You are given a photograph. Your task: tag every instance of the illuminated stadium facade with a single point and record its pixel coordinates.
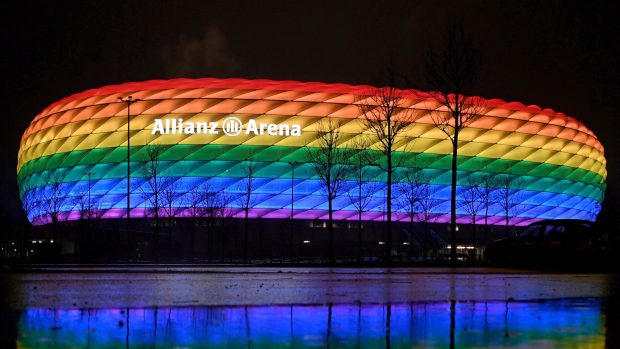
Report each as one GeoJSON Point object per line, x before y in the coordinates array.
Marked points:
{"type": "Point", "coordinates": [82, 140]}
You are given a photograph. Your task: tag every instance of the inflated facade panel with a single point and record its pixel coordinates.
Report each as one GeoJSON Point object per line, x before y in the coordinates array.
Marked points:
{"type": "Point", "coordinates": [558, 163]}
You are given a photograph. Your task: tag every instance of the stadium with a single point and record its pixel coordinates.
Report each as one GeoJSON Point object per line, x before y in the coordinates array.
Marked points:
{"type": "Point", "coordinates": [77, 148]}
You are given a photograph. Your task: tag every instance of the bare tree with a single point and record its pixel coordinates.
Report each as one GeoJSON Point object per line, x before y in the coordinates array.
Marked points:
{"type": "Point", "coordinates": [449, 73]}
{"type": "Point", "coordinates": [386, 115]}
{"type": "Point", "coordinates": [29, 199]}
{"type": "Point", "coordinates": [223, 201]}
{"type": "Point", "coordinates": [85, 210]}
{"type": "Point", "coordinates": [426, 204]}
{"type": "Point", "coordinates": [209, 209]}
{"type": "Point", "coordinates": [487, 187]}
{"type": "Point", "coordinates": [360, 193]}
{"type": "Point", "coordinates": [472, 197]}
{"type": "Point", "coordinates": [30, 204]}
{"type": "Point", "coordinates": [330, 165]}
{"type": "Point", "coordinates": [169, 189]}
{"type": "Point", "coordinates": [194, 201]}
{"type": "Point", "coordinates": [223, 211]}
{"type": "Point", "coordinates": [247, 200]}
{"type": "Point", "coordinates": [54, 196]}
{"type": "Point", "coordinates": [210, 203]}
{"type": "Point", "coordinates": [508, 196]}
{"type": "Point", "coordinates": [85, 207]}
{"type": "Point", "coordinates": [411, 190]}
{"type": "Point", "coordinates": [96, 214]}
{"type": "Point", "coordinates": [153, 187]}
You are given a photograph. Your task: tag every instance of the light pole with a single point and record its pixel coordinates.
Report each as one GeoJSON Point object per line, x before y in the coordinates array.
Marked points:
{"type": "Point", "coordinates": [292, 163]}
{"type": "Point", "coordinates": [128, 100]}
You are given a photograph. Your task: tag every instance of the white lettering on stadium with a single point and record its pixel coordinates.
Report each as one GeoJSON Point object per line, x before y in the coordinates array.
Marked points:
{"type": "Point", "coordinates": [231, 126]}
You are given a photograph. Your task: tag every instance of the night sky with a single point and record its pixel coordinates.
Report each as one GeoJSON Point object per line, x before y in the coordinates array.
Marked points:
{"type": "Point", "coordinates": [558, 55]}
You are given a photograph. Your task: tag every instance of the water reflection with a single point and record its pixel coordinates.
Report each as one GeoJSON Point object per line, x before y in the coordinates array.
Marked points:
{"type": "Point", "coordinates": [572, 323]}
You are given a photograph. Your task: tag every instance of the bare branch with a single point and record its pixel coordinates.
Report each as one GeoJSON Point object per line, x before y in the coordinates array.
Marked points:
{"type": "Point", "coordinates": [247, 186]}
{"type": "Point", "coordinates": [54, 195]}
{"type": "Point", "coordinates": [412, 189]}
{"type": "Point", "coordinates": [508, 195]}
{"type": "Point", "coordinates": [361, 189]}
{"type": "Point", "coordinates": [169, 189]}
{"type": "Point", "coordinates": [427, 203]}
{"type": "Point", "coordinates": [329, 162]}
{"type": "Point", "coordinates": [473, 196]}
{"type": "Point", "coordinates": [387, 114]}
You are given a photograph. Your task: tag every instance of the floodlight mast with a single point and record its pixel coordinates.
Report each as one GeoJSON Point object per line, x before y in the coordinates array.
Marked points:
{"type": "Point", "coordinates": [128, 100]}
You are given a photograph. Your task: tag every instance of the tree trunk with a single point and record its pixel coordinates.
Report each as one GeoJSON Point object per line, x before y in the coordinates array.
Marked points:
{"type": "Point", "coordinates": [359, 237]}
{"type": "Point", "coordinates": [486, 224]}
{"type": "Point", "coordinates": [192, 249]}
{"type": "Point", "coordinates": [291, 241]}
{"type": "Point", "coordinates": [474, 238]}
{"type": "Point", "coordinates": [359, 220]}
{"type": "Point", "coordinates": [425, 241]}
{"type": "Point", "coordinates": [228, 251]}
{"type": "Point", "coordinates": [56, 237]}
{"type": "Point", "coordinates": [245, 237]}
{"type": "Point", "coordinates": [170, 225]}
{"type": "Point", "coordinates": [78, 242]}
{"type": "Point", "coordinates": [332, 259]}
{"type": "Point", "coordinates": [455, 145]}
{"type": "Point", "coordinates": [210, 240]}
{"type": "Point", "coordinates": [156, 243]}
{"type": "Point", "coordinates": [411, 237]}
{"type": "Point", "coordinates": [388, 244]}
{"type": "Point", "coordinates": [474, 230]}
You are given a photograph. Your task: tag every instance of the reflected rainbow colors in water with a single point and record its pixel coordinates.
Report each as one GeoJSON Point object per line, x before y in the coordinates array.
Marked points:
{"type": "Point", "coordinates": [572, 323]}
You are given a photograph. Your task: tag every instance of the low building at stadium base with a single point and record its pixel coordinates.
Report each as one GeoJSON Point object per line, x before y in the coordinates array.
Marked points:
{"type": "Point", "coordinates": [81, 143]}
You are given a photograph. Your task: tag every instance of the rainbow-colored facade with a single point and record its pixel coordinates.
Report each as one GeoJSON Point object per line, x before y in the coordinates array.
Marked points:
{"type": "Point", "coordinates": [83, 140]}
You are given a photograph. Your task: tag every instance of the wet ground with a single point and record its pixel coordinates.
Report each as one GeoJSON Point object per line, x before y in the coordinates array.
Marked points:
{"type": "Point", "coordinates": [177, 306]}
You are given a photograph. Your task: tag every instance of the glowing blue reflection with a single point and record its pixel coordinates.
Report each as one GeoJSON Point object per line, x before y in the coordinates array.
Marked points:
{"type": "Point", "coordinates": [552, 324]}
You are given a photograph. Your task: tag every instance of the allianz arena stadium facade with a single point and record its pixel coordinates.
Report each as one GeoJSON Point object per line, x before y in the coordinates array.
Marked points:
{"type": "Point", "coordinates": [82, 139]}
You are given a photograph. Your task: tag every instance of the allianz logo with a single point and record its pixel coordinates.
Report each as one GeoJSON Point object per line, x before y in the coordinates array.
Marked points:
{"type": "Point", "coordinates": [231, 126]}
